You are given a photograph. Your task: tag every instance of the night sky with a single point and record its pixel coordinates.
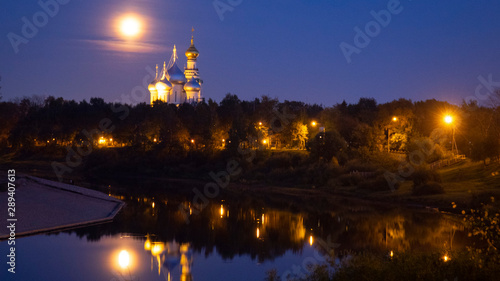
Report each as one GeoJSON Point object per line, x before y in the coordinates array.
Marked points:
{"type": "Point", "coordinates": [288, 49]}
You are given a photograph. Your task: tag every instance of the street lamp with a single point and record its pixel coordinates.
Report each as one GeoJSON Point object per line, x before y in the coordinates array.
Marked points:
{"type": "Point", "coordinates": [394, 119]}
{"type": "Point", "coordinates": [448, 119]}
{"type": "Point", "coordinates": [265, 143]}
{"type": "Point", "coordinates": [321, 130]}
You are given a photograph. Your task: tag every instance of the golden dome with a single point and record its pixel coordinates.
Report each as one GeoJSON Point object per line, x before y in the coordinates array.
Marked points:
{"type": "Point", "coordinates": [152, 86]}
{"type": "Point", "coordinates": [192, 52]}
{"type": "Point", "coordinates": [163, 85]}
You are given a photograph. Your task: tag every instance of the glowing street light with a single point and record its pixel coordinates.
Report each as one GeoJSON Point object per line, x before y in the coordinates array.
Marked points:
{"type": "Point", "coordinates": [394, 119]}
{"type": "Point", "coordinates": [321, 131]}
{"type": "Point", "coordinates": [260, 123]}
{"type": "Point", "coordinates": [448, 119]}
{"type": "Point", "coordinates": [446, 258]}
{"type": "Point", "coordinates": [192, 141]}
{"type": "Point", "coordinates": [311, 240]}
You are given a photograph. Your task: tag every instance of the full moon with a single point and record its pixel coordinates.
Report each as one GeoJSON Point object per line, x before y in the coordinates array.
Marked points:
{"type": "Point", "coordinates": [130, 26]}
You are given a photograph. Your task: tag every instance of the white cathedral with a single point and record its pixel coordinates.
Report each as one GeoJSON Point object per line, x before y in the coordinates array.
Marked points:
{"type": "Point", "coordinates": [174, 86]}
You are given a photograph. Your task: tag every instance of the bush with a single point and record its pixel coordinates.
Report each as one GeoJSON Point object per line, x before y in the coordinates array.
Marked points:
{"type": "Point", "coordinates": [428, 148]}
{"type": "Point", "coordinates": [428, 189]}
{"type": "Point", "coordinates": [360, 165]}
{"type": "Point", "coordinates": [379, 183]}
{"type": "Point", "coordinates": [279, 161]}
{"type": "Point", "coordinates": [321, 174]}
{"type": "Point", "coordinates": [423, 176]}
{"type": "Point", "coordinates": [350, 179]}
{"type": "Point", "coordinates": [484, 226]}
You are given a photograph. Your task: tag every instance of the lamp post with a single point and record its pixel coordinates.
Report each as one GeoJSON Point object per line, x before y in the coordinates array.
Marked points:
{"type": "Point", "coordinates": [394, 119]}
{"type": "Point", "coordinates": [448, 119]}
{"type": "Point", "coordinates": [321, 133]}
{"type": "Point", "coordinates": [321, 129]}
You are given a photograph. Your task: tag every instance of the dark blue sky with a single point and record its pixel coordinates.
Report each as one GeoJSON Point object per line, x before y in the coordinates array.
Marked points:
{"type": "Point", "coordinates": [287, 49]}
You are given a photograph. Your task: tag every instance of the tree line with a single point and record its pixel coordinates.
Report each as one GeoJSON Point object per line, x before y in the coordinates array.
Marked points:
{"type": "Point", "coordinates": [341, 131]}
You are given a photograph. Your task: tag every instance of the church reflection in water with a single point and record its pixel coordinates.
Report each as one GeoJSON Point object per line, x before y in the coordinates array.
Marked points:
{"type": "Point", "coordinates": [230, 229]}
{"type": "Point", "coordinates": [166, 257]}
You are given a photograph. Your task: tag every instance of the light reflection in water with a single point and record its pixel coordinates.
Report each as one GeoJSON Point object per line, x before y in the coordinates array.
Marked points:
{"type": "Point", "coordinates": [124, 263]}
{"type": "Point", "coordinates": [167, 256]}
{"type": "Point", "coordinates": [124, 259]}
{"type": "Point", "coordinates": [357, 228]}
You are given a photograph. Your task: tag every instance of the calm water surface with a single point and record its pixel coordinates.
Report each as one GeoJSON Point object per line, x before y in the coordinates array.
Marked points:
{"type": "Point", "coordinates": [170, 238]}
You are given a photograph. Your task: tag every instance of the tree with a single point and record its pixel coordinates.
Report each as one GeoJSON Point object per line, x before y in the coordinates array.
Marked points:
{"type": "Point", "coordinates": [327, 145]}
{"type": "Point", "coordinates": [482, 131]}
{"type": "Point", "coordinates": [300, 133]}
{"type": "Point", "coordinates": [9, 116]}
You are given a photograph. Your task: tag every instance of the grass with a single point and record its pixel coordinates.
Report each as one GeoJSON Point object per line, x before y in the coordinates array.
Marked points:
{"type": "Point", "coordinates": [464, 183]}
{"type": "Point", "coordinates": [407, 266]}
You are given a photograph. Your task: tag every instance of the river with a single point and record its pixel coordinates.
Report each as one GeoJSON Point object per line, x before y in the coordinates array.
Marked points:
{"type": "Point", "coordinates": [168, 237]}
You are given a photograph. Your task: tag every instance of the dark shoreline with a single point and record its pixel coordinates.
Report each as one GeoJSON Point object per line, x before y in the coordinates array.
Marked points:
{"type": "Point", "coordinates": [306, 196]}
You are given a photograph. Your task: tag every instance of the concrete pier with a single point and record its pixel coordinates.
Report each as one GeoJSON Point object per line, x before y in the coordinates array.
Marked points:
{"type": "Point", "coordinates": [45, 206]}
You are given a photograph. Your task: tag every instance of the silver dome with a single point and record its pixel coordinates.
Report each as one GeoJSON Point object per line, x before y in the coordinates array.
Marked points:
{"type": "Point", "coordinates": [176, 75]}
{"type": "Point", "coordinates": [192, 85]}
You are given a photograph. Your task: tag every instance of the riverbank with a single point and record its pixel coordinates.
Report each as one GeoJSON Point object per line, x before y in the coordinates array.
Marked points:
{"type": "Point", "coordinates": [466, 184]}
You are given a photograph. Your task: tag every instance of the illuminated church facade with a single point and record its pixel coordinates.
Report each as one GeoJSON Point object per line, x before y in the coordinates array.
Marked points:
{"type": "Point", "coordinates": [174, 86]}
